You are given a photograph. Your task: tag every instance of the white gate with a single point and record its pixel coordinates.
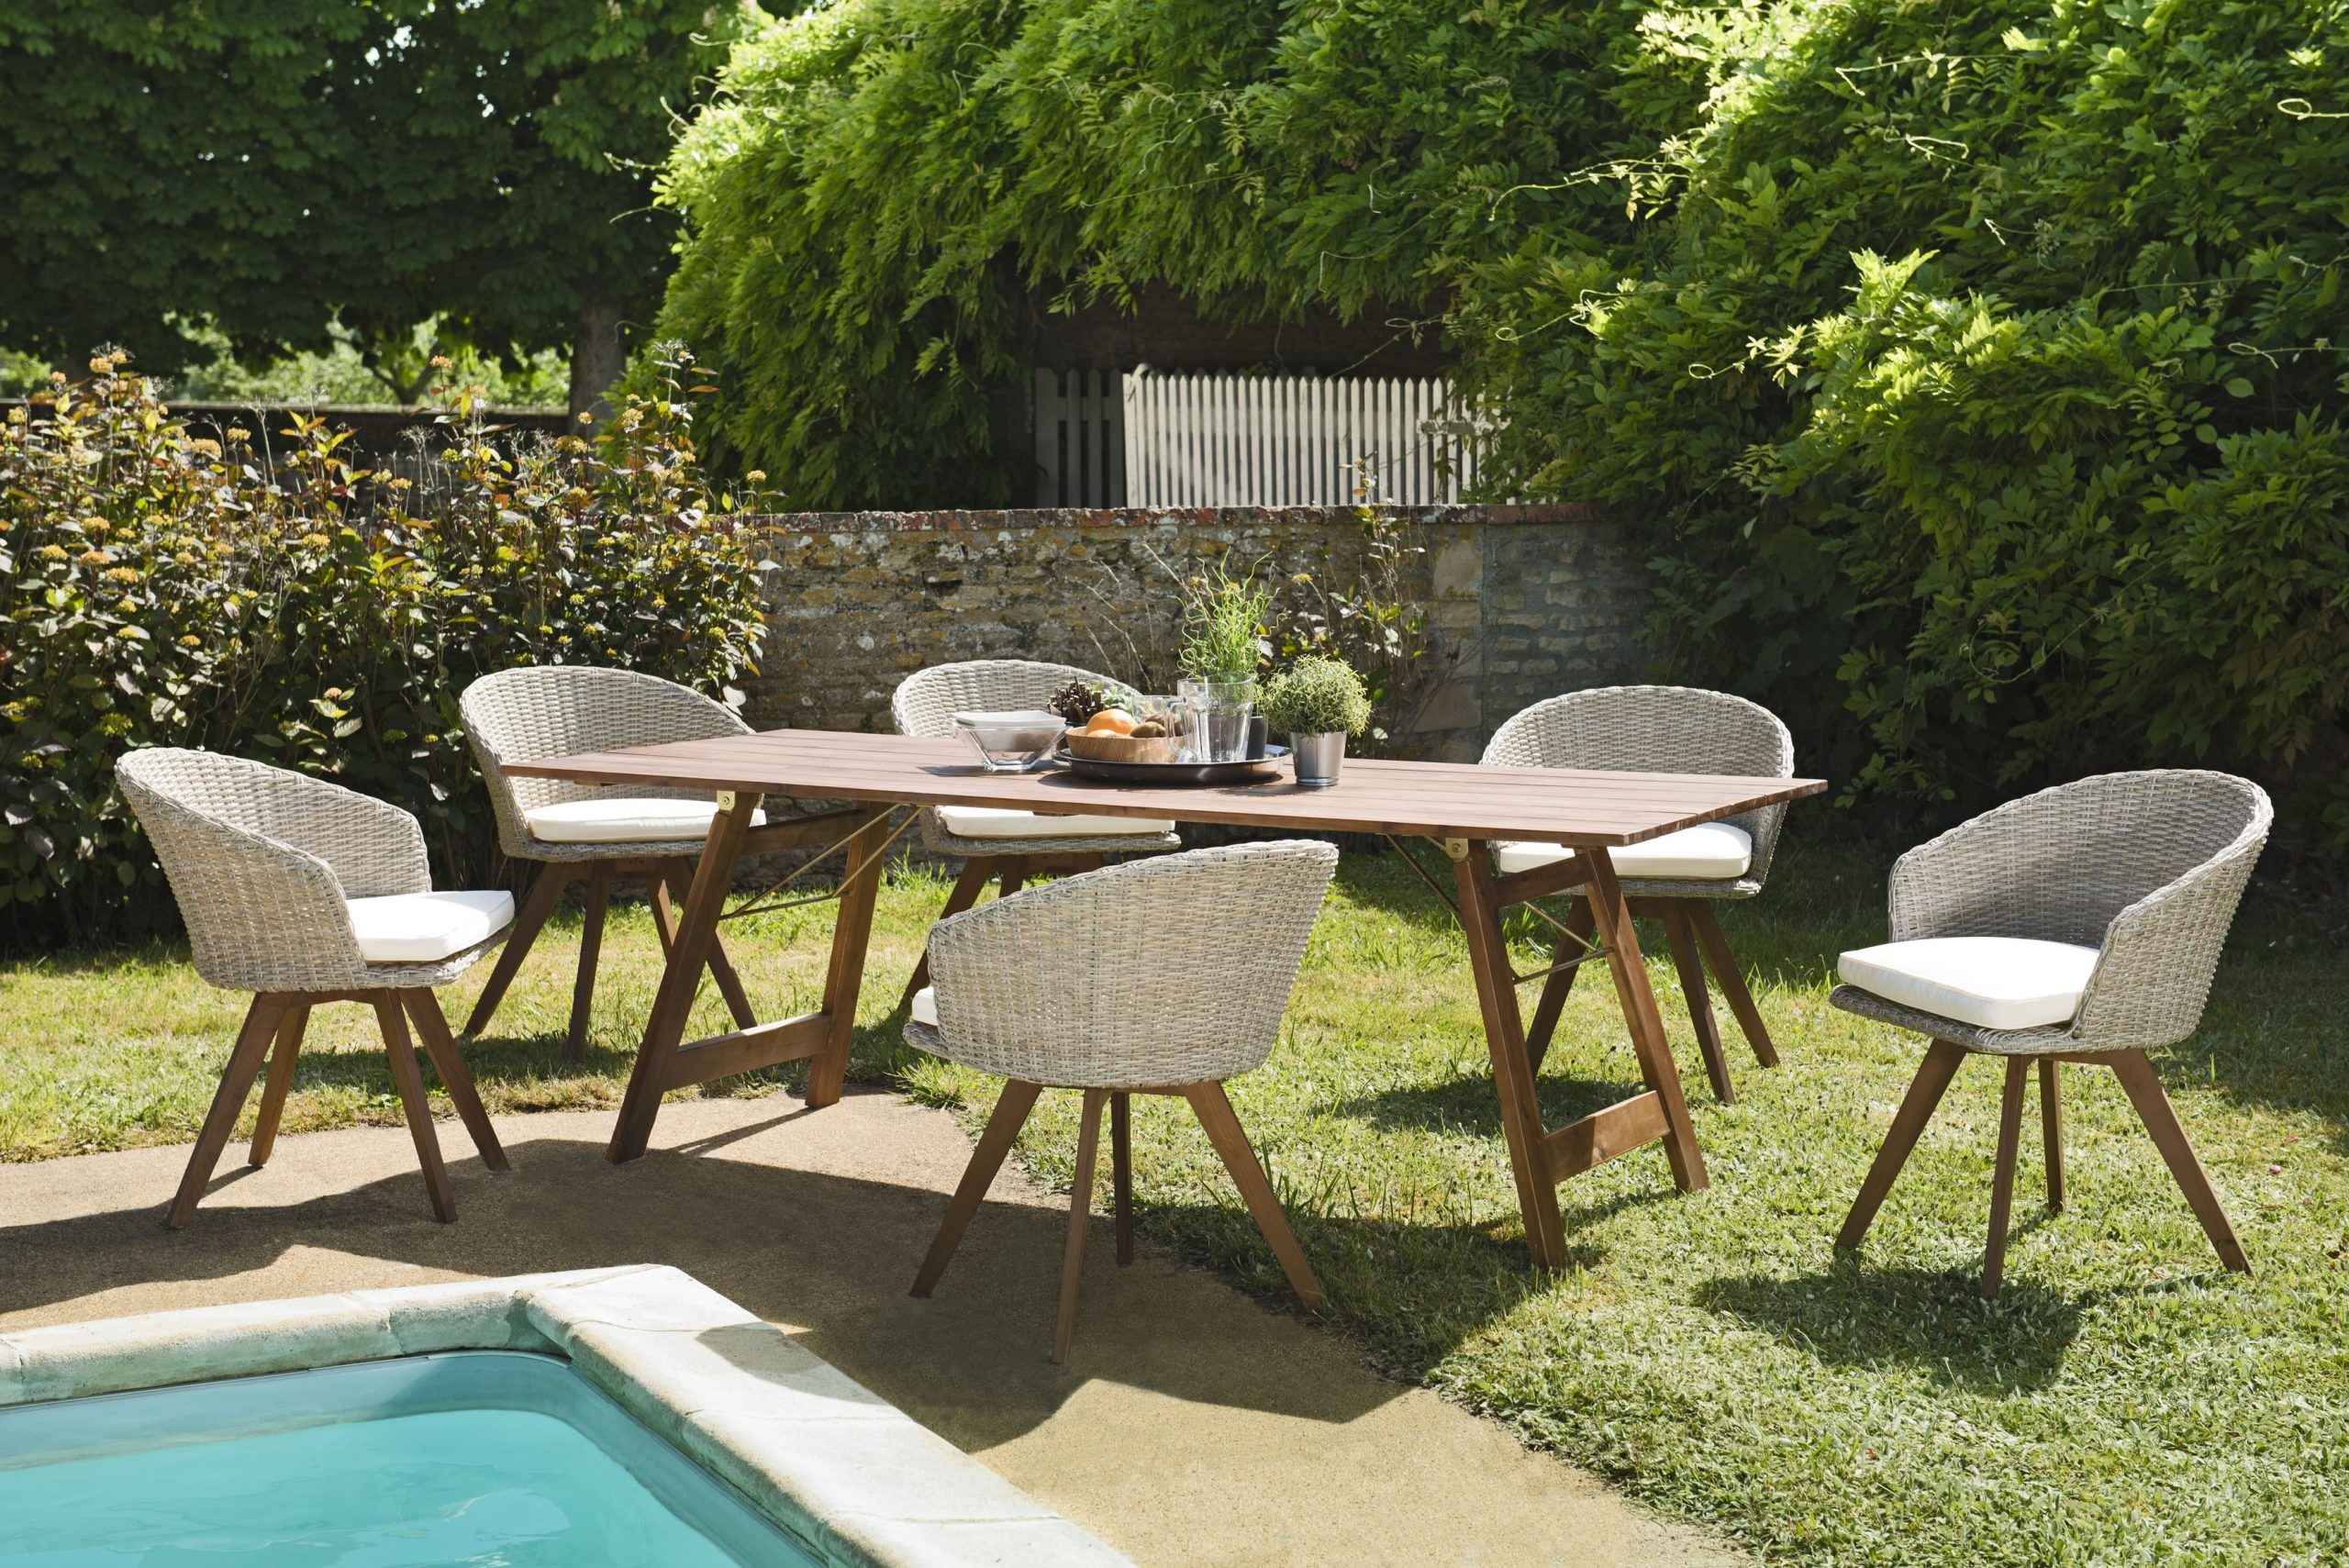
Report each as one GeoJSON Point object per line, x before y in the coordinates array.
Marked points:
{"type": "Point", "coordinates": [1226, 439]}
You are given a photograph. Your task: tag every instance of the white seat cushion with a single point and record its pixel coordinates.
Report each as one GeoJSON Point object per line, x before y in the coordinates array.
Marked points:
{"type": "Point", "coordinates": [1993, 983]}
{"type": "Point", "coordinates": [1003, 822]}
{"type": "Point", "coordinates": [925, 1007]}
{"type": "Point", "coordinates": [625, 820]}
{"type": "Point", "coordinates": [1713, 850]}
{"type": "Point", "coordinates": [424, 927]}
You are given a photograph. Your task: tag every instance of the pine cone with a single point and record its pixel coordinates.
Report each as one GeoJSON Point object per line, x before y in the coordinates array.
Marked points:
{"type": "Point", "coordinates": [1076, 702]}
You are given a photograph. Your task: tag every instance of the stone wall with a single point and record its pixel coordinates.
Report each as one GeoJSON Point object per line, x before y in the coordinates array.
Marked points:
{"type": "Point", "coordinates": [1528, 601]}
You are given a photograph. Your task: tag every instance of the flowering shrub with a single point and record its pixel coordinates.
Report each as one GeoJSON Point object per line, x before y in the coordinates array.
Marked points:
{"type": "Point", "coordinates": [162, 586]}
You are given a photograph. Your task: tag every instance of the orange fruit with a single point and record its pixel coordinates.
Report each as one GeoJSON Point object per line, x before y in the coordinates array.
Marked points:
{"type": "Point", "coordinates": [1111, 721]}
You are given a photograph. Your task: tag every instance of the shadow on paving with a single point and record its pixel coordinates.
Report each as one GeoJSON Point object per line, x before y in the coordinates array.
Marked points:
{"type": "Point", "coordinates": [831, 1256]}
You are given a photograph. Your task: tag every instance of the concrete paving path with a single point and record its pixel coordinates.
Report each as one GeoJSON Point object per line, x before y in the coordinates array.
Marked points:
{"type": "Point", "coordinates": [1192, 1425]}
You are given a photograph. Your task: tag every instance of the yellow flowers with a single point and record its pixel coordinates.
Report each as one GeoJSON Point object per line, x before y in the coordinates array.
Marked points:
{"type": "Point", "coordinates": [316, 540]}
{"type": "Point", "coordinates": [123, 574]}
{"type": "Point", "coordinates": [54, 552]}
{"type": "Point", "coordinates": [94, 558]}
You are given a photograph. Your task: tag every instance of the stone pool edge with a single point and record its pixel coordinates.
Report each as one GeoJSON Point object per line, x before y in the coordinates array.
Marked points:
{"type": "Point", "coordinates": [857, 1479]}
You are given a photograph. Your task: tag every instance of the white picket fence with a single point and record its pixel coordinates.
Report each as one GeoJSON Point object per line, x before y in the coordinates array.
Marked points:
{"type": "Point", "coordinates": [1227, 440]}
{"type": "Point", "coordinates": [1221, 440]}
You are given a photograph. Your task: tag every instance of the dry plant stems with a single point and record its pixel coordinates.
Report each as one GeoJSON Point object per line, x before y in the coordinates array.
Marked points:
{"type": "Point", "coordinates": [1378, 624]}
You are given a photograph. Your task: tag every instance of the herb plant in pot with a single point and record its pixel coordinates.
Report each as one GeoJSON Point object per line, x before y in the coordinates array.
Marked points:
{"type": "Point", "coordinates": [1223, 631]}
{"type": "Point", "coordinates": [1320, 702]}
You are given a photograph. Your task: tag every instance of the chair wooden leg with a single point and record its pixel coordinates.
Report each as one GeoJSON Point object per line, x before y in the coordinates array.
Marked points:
{"type": "Point", "coordinates": [2002, 1182]}
{"type": "Point", "coordinates": [656, 894]}
{"type": "Point", "coordinates": [1214, 1110]}
{"type": "Point", "coordinates": [410, 1079]}
{"type": "Point", "coordinates": [537, 905]}
{"type": "Point", "coordinates": [977, 871]}
{"type": "Point", "coordinates": [591, 946]}
{"type": "Point", "coordinates": [1121, 1170]}
{"type": "Point", "coordinates": [1080, 1219]}
{"type": "Point", "coordinates": [424, 1008]}
{"type": "Point", "coordinates": [1014, 875]}
{"type": "Point", "coordinates": [1558, 986]}
{"type": "Point", "coordinates": [236, 1082]}
{"type": "Point", "coordinates": [290, 1027]}
{"type": "Point", "coordinates": [2143, 1087]}
{"type": "Point", "coordinates": [1925, 1092]}
{"type": "Point", "coordinates": [1003, 1127]}
{"type": "Point", "coordinates": [1724, 964]}
{"type": "Point", "coordinates": [1682, 941]}
{"type": "Point", "coordinates": [2051, 1130]}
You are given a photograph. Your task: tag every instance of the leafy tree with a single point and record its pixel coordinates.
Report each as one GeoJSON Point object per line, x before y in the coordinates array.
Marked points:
{"type": "Point", "coordinates": [1976, 368]}
{"type": "Point", "coordinates": [275, 166]}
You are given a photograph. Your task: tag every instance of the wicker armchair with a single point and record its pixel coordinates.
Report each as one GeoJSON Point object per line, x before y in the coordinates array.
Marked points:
{"type": "Point", "coordinates": [1210, 941]}
{"type": "Point", "coordinates": [599, 832]}
{"type": "Point", "coordinates": [2081, 924]}
{"type": "Point", "coordinates": [304, 892]}
{"type": "Point", "coordinates": [1673, 879]}
{"type": "Point", "coordinates": [1005, 845]}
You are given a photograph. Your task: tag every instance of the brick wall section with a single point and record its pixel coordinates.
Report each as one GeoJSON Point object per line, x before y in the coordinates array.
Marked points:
{"type": "Point", "coordinates": [1529, 601]}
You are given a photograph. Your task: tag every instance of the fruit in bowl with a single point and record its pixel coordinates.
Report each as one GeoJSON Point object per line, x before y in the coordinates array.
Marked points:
{"type": "Point", "coordinates": [1116, 735]}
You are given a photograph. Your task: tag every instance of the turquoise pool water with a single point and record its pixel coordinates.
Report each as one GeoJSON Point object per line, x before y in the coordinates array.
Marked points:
{"type": "Point", "coordinates": [487, 1458]}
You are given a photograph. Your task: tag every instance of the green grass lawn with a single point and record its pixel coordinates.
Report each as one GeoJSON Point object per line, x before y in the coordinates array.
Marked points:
{"type": "Point", "coordinates": [2124, 1401]}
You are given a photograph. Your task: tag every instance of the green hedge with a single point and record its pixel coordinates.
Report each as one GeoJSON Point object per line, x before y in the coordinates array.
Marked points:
{"type": "Point", "coordinates": [1976, 368]}
{"type": "Point", "coordinates": [164, 586]}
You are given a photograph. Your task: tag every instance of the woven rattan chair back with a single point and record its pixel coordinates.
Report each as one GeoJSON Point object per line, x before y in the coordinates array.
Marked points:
{"type": "Point", "coordinates": [1657, 729]}
{"type": "Point", "coordinates": [555, 710]}
{"type": "Point", "coordinates": [2060, 865]}
{"type": "Point", "coordinates": [1174, 970]}
{"type": "Point", "coordinates": [925, 701]}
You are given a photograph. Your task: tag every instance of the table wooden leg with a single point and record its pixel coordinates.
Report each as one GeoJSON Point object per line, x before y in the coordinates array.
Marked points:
{"type": "Point", "coordinates": [1480, 917]}
{"type": "Point", "coordinates": [1612, 918]}
{"type": "Point", "coordinates": [828, 1072]}
{"type": "Point", "coordinates": [689, 952]}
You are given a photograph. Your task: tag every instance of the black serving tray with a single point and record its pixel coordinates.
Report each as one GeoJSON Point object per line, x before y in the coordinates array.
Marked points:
{"type": "Point", "coordinates": [1175, 775]}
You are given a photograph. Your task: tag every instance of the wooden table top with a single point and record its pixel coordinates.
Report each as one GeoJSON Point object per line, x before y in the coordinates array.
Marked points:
{"type": "Point", "coordinates": [1442, 800]}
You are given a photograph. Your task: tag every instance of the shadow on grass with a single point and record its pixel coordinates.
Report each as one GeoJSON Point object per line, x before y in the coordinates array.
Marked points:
{"type": "Point", "coordinates": [1856, 1314]}
{"type": "Point", "coordinates": [1470, 1103]}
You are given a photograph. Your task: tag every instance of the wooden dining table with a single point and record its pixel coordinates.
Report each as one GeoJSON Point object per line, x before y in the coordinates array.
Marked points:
{"type": "Point", "coordinates": [1463, 808]}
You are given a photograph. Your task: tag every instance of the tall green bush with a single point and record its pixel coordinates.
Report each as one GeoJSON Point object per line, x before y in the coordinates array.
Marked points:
{"type": "Point", "coordinates": [1974, 368]}
{"type": "Point", "coordinates": [1979, 371]}
{"type": "Point", "coordinates": [165, 586]}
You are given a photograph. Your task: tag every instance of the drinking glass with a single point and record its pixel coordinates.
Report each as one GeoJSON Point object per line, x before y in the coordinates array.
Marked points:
{"type": "Point", "coordinates": [1223, 709]}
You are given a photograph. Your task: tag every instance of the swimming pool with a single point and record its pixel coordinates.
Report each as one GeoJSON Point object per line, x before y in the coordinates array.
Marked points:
{"type": "Point", "coordinates": [598, 1418]}
{"type": "Point", "coordinates": [493, 1457]}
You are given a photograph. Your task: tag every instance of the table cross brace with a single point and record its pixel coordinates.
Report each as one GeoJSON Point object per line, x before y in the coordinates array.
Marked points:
{"type": "Point", "coordinates": [848, 877]}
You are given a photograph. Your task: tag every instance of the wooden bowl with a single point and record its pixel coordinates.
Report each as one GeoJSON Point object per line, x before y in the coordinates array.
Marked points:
{"type": "Point", "coordinates": [1123, 748]}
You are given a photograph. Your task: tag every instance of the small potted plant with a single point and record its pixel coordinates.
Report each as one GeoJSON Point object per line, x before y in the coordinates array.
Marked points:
{"type": "Point", "coordinates": [1320, 702]}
